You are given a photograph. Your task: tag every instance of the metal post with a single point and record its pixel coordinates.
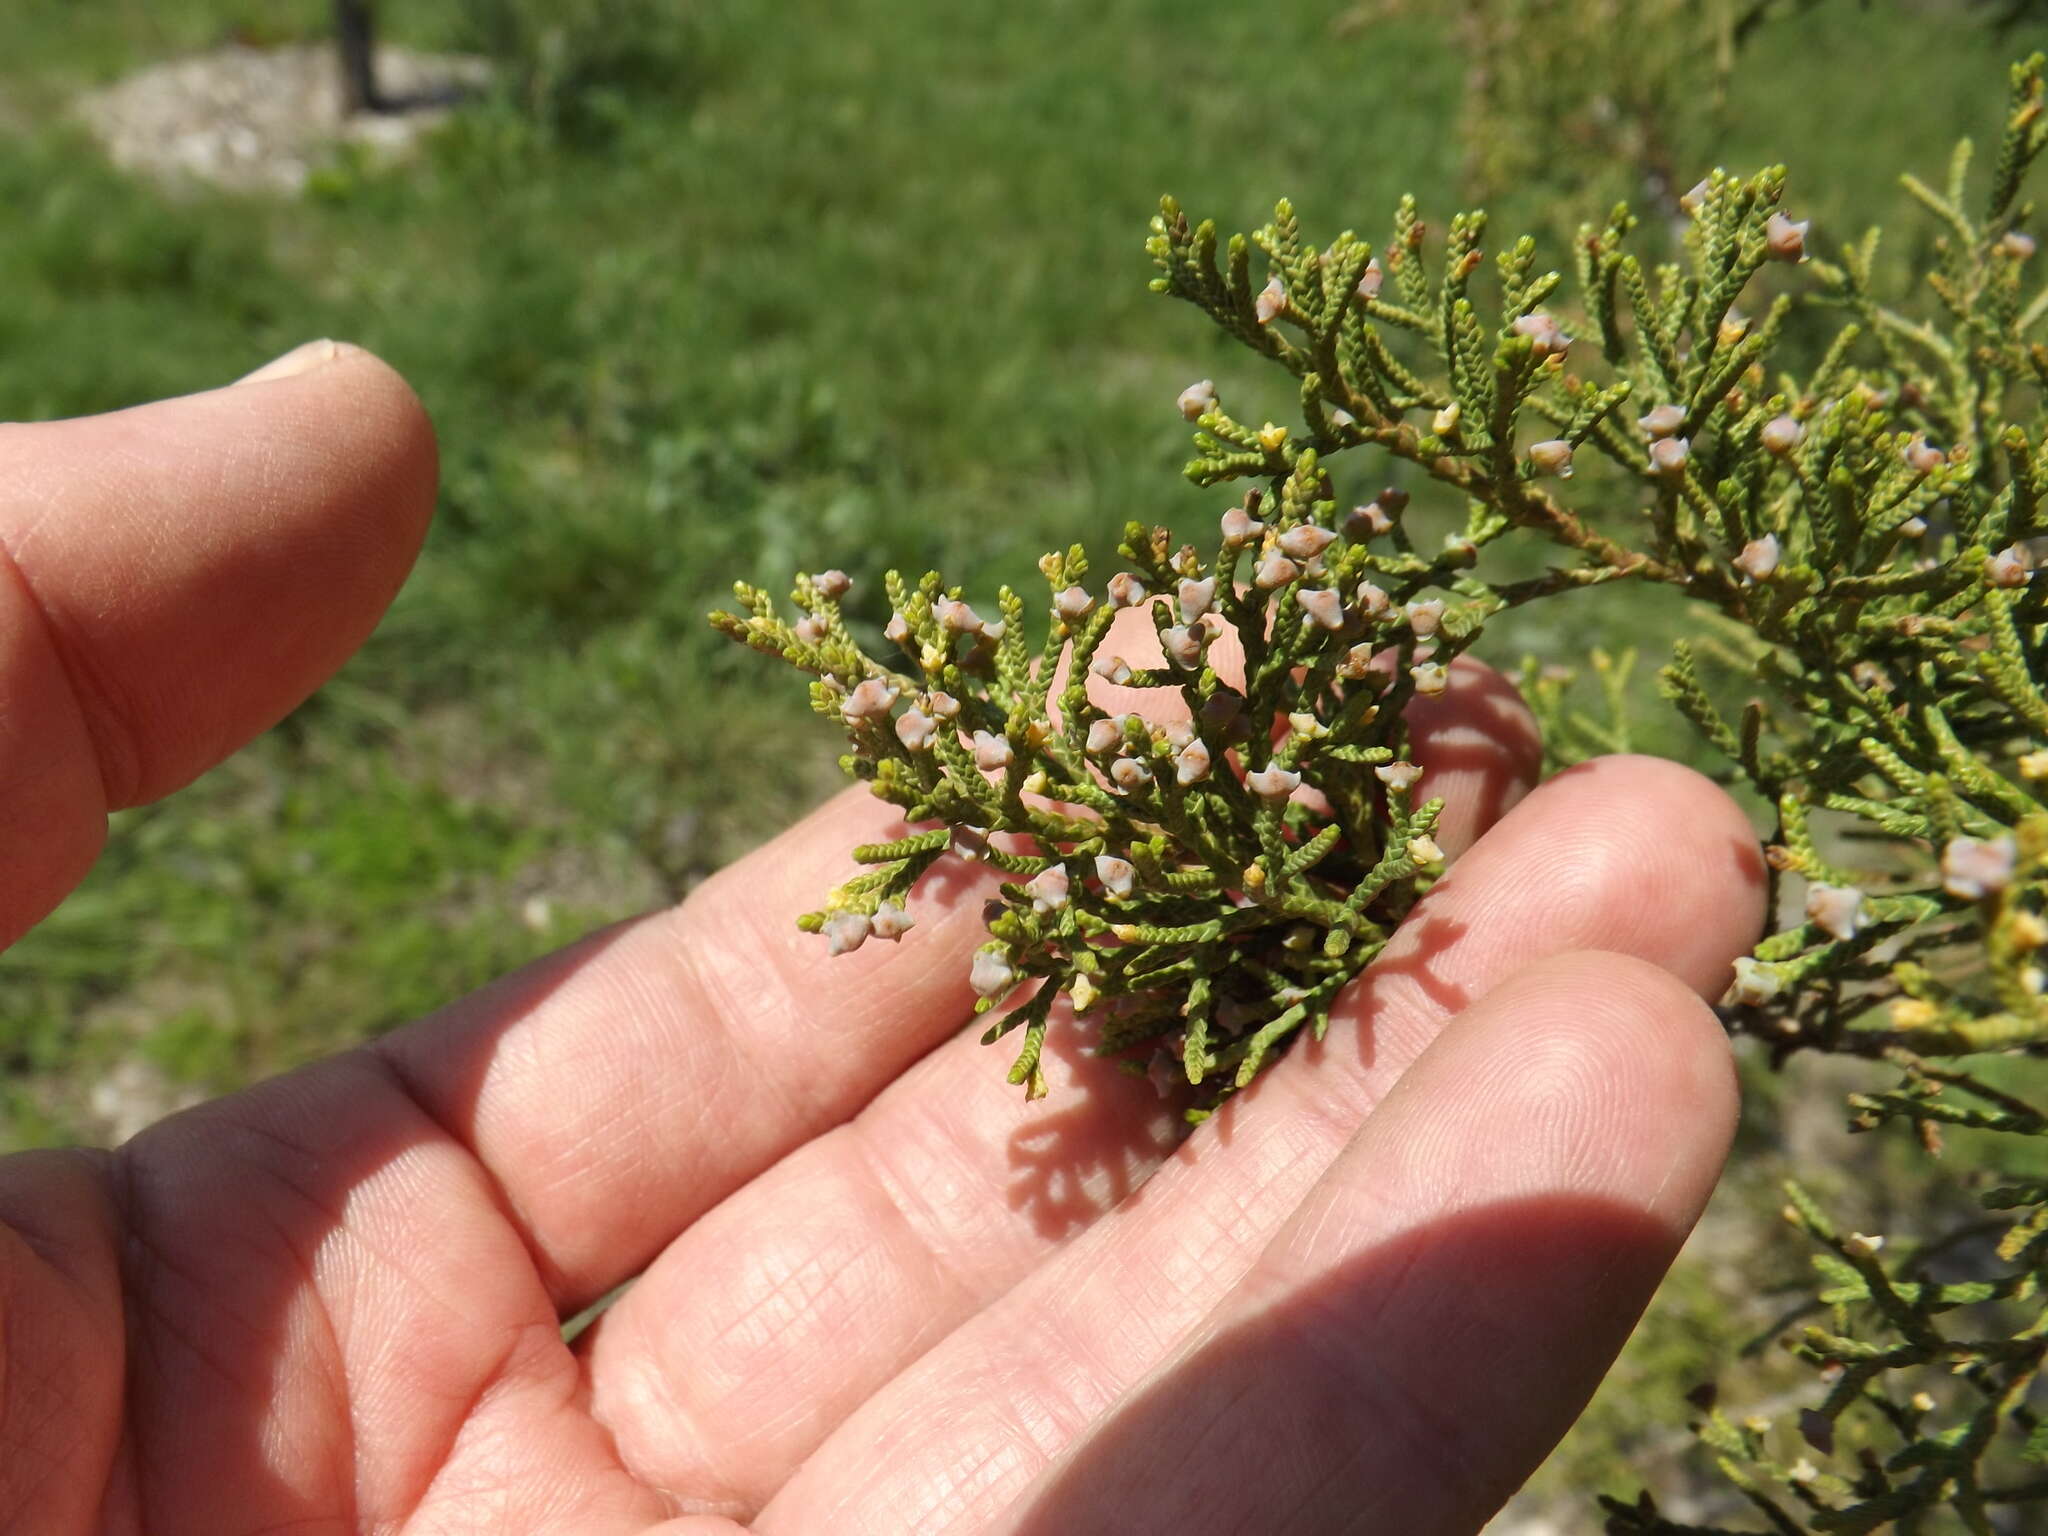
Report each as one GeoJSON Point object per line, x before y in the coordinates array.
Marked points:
{"type": "Point", "coordinates": [355, 29]}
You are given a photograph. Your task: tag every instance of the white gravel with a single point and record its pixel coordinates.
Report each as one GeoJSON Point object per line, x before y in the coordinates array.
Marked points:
{"type": "Point", "coordinates": [262, 119]}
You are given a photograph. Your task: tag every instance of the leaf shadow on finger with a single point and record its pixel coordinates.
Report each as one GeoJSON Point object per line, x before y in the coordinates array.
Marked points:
{"type": "Point", "coordinates": [1092, 1147]}
{"type": "Point", "coordinates": [1426, 938]}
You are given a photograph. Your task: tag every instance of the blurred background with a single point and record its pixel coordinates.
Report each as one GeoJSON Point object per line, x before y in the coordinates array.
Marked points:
{"type": "Point", "coordinates": [698, 289]}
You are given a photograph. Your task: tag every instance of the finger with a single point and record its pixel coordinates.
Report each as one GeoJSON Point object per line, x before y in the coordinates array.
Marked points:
{"type": "Point", "coordinates": [330, 1326]}
{"type": "Point", "coordinates": [616, 1091]}
{"type": "Point", "coordinates": [175, 577]}
{"type": "Point", "coordinates": [61, 1341]}
{"type": "Point", "coordinates": [1431, 1320]}
{"type": "Point", "coordinates": [1632, 855]}
{"type": "Point", "coordinates": [774, 1316]}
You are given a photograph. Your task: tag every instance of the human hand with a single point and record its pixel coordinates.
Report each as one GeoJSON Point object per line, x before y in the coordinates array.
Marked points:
{"type": "Point", "coordinates": [877, 1292]}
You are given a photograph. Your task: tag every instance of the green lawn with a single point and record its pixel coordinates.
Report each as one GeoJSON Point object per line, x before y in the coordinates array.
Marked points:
{"type": "Point", "coordinates": [856, 283]}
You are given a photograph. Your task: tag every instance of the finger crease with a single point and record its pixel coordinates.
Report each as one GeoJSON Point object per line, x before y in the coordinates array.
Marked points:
{"type": "Point", "coordinates": [388, 1066]}
{"type": "Point", "coordinates": [102, 713]}
{"type": "Point", "coordinates": [914, 1215]}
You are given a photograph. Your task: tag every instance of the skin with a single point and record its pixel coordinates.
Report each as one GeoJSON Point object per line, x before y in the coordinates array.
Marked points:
{"type": "Point", "coordinates": [878, 1293]}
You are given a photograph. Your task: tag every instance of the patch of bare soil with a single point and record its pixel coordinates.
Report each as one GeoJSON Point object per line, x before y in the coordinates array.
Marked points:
{"type": "Point", "coordinates": [262, 119]}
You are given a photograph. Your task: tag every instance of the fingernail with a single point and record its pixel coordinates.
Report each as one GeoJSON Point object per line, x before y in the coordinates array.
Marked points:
{"type": "Point", "coordinates": [301, 359]}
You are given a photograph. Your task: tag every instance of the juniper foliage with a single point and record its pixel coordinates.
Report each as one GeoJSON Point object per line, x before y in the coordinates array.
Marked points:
{"type": "Point", "coordinates": [1857, 536]}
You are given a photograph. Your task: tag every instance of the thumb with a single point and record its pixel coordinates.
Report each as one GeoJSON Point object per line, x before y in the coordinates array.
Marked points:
{"type": "Point", "coordinates": [176, 577]}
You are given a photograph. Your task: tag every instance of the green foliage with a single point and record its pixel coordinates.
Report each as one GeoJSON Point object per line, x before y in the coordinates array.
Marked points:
{"type": "Point", "coordinates": [1862, 518]}
{"type": "Point", "coordinates": [686, 354]}
{"type": "Point", "coordinates": [580, 68]}
{"type": "Point", "coordinates": [88, 267]}
{"type": "Point", "coordinates": [868, 289]}
{"type": "Point", "coordinates": [1602, 96]}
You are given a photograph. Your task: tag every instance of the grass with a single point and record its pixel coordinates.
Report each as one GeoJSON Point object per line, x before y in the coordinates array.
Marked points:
{"type": "Point", "coordinates": [762, 286]}
{"type": "Point", "coordinates": [875, 297]}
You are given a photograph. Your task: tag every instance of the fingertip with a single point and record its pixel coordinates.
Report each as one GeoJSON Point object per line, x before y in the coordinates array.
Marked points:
{"type": "Point", "coordinates": [304, 358]}
{"type": "Point", "coordinates": [176, 577]}
{"type": "Point", "coordinates": [362, 422]}
{"type": "Point", "coordinates": [1699, 877]}
{"type": "Point", "coordinates": [1615, 1076]}
{"type": "Point", "coordinates": [201, 564]}
{"type": "Point", "coordinates": [1631, 854]}
{"type": "Point", "coordinates": [321, 488]}
{"type": "Point", "coordinates": [1653, 1078]}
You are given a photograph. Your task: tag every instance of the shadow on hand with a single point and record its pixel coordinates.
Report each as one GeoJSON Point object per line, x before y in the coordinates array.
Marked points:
{"type": "Point", "coordinates": [1408, 1390]}
{"type": "Point", "coordinates": [1426, 935]}
{"type": "Point", "coordinates": [1092, 1145]}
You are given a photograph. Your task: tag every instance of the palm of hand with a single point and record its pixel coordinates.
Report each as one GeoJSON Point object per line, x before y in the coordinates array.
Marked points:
{"type": "Point", "coordinates": [873, 1293]}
